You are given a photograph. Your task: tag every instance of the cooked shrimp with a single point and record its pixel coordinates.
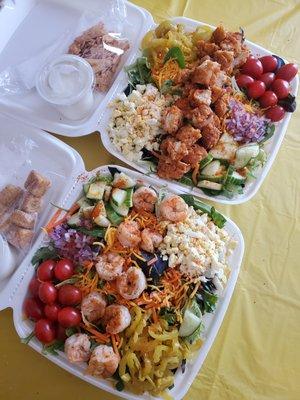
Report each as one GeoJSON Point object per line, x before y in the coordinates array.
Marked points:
{"type": "Point", "coordinates": [173, 208]}
{"type": "Point", "coordinates": [128, 234]}
{"type": "Point", "coordinates": [103, 362]}
{"type": "Point", "coordinates": [144, 199]}
{"type": "Point", "coordinates": [132, 283]}
{"type": "Point", "coordinates": [93, 306]}
{"type": "Point", "coordinates": [150, 240]}
{"type": "Point", "coordinates": [77, 347]}
{"type": "Point", "coordinates": [109, 266]}
{"type": "Point", "coordinates": [116, 318]}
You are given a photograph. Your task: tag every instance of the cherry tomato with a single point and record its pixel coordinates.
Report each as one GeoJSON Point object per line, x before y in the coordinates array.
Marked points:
{"type": "Point", "coordinates": [51, 311]}
{"type": "Point", "coordinates": [69, 295]}
{"type": "Point", "coordinates": [45, 331]}
{"type": "Point", "coordinates": [47, 292]}
{"type": "Point", "coordinates": [256, 89]}
{"type": "Point", "coordinates": [34, 286]}
{"type": "Point", "coordinates": [268, 99]}
{"type": "Point", "coordinates": [252, 67]}
{"type": "Point", "coordinates": [33, 309]}
{"type": "Point", "coordinates": [275, 113]}
{"type": "Point", "coordinates": [61, 333]}
{"type": "Point", "coordinates": [269, 63]}
{"type": "Point", "coordinates": [64, 269]}
{"type": "Point", "coordinates": [267, 78]}
{"type": "Point", "coordinates": [287, 72]}
{"type": "Point", "coordinates": [45, 271]}
{"type": "Point", "coordinates": [243, 81]}
{"type": "Point", "coordinates": [281, 88]}
{"type": "Point", "coordinates": [69, 317]}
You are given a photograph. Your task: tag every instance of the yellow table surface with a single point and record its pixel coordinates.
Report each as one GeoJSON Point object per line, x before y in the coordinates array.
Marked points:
{"type": "Point", "coordinates": [256, 354]}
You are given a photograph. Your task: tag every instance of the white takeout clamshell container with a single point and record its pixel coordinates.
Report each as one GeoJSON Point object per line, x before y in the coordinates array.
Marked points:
{"type": "Point", "coordinates": [271, 147]}
{"type": "Point", "coordinates": [65, 193]}
{"type": "Point", "coordinates": [19, 25]}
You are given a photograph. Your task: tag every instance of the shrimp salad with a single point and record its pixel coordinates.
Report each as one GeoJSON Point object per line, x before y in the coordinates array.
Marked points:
{"type": "Point", "coordinates": [200, 107]}
{"type": "Point", "coordinates": [125, 279]}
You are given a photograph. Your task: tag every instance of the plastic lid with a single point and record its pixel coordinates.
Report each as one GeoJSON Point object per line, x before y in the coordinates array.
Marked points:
{"type": "Point", "coordinates": [65, 80]}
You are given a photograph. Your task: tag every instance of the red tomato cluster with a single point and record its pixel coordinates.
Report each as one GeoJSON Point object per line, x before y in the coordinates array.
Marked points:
{"type": "Point", "coordinates": [52, 306]}
{"type": "Point", "coordinates": [267, 83]}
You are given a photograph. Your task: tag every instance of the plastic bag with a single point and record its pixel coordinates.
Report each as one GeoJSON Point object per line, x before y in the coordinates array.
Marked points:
{"type": "Point", "coordinates": [105, 40]}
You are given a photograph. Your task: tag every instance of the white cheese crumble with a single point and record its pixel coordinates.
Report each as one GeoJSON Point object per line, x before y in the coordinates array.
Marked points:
{"type": "Point", "coordinates": [198, 247]}
{"type": "Point", "coordinates": [136, 121]}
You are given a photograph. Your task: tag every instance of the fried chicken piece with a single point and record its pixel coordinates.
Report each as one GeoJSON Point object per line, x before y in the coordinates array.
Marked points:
{"type": "Point", "coordinates": [210, 136]}
{"type": "Point", "coordinates": [188, 135]}
{"type": "Point", "coordinates": [209, 74]}
{"type": "Point", "coordinates": [218, 35]}
{"type": "Point", "coordinates": [225, 59]}
{"type": "Point", "coordinates": [206, 48]}
{"type": "Point", "coordinates": [172, 119]}
{"type": "Point", "coordinates": [241, 58]}
{"type": "Point", "coordinates": [201, 116]}
{"type": "Point", "coordinates": [169, 169]}
{"type": "Point", "coordinates": [195, 155]}
{"type": "Point", "coordinates": [232, 42]}
{"type": "Point", "coordinates": [174, 149]}
{"type": "Point", "coordinates": [182, 76]}
{"type": "Point", "coordinates": [216, 93]}
{"type": "Point", "coordinates": [221, 106]}
{"type": "Point", "coordinates": [200, 96]}
{"type": "Point", "coordinates": [183, 104]}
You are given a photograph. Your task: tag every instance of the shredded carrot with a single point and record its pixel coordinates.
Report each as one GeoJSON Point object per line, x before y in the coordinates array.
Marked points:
{"type": "Point", "coordinates": [98, 336]}
{"type": "Point", "coordinates": [164, 72]}
{"type": "Point", "coordinates": [53, 220]}
{"type": "Point", "coordinates": [154, 316]}
{"type": "Point", "coordinates": [114, 345]}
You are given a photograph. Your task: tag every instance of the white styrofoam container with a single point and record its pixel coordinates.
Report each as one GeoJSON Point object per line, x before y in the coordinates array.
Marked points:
{"type": "Point", "coordinates": [271, 147]}
{"type": "Point", "coordinates": [33, 25]}
{"type": "Point", "coordinates": [17, 286]}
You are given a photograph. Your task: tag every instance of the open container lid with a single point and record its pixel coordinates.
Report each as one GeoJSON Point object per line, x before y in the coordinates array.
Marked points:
{"type": "Point", "coordinates": [30, 26]}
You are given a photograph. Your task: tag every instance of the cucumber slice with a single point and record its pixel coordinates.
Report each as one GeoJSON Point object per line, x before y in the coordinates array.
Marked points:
{"type": "Point", "coordinates": [236, 178]}
{"type": "Point", "coordinates": [122, 210]}
{"type": "Point", "coordinates": [74, 220]}
{"type": "Point", "coordinates": [244, 154]}
{"type": "Point", "coordinates": [102, 221]}
{"type": "Point", "coordinates": [123, 181]}
{"type": "Point", "coordinates": [129, 198]}
{"type": "Point", "coordinates": [189, 324]}
{"type": "Point", "coordinates": [218, 179]}
{"type": "Point", "coordinates": [210, 185]}
{"type": "Point", "coordinates": [212, 168]}
{"type": "Point", "coordinates": [107, 192]}
{"type": "Point", "coordinates": [118, 196]}
{"type": "Point", "coordinates": [196, 335]}
{"type": "Point", "coordinates": [96, 190]}
{"type": "Point", "coordinates": [206, 161]}
{"type": "Point", "coordinates": [114, 218]}
{"type": "Point", "coordinates": [225, 149]}
{"type": "Point", "coordinates": [86, 187]}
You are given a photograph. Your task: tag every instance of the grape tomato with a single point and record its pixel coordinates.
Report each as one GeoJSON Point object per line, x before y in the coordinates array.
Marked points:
{"type": "Point", "coordinates": [51, 311]}
{"type": "Point", "coordinates": [252, 67]}
{"type": "Point", "coordinates": [275, 113]}
{"type": "Point", "coordinates": [69, 295]}
{"type": "Point", "coordinates": [267, 78]}
{"type": "Point", "coordinates": [44, 331]}
{"type": "Point", "coordinates": [33, 308]}
{"type": "Point", "coordinates": [45, 271]}
{"type": "Point", "coordinates": [281, 88]}
{"type": "Point", "coordinates": [47, 292]}
{"type": "Point", "coordinates": [268, 99]}
{"type": "Point", "coordinates": [243, 81]}
{"type": "Point", "coordinates": [34, 286]}
{"type": "Point", "coordinates": [269, 63]}
{"type": "Point", "coordinates": [287, 72]}
{"type": "Point", "coordinates": [256, 89]}
{"type": "Point", "coordinates": [64, 269]}
{"type": "Point", "coordinates": [68, 317]}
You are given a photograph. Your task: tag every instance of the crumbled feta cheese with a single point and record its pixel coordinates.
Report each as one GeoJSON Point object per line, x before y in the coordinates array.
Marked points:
{"type": "Point", "coordinates": [136, 121]}
{"type": "Point", "coordinates": [198, 247]}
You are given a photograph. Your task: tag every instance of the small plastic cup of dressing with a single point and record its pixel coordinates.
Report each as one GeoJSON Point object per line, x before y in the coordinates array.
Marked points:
{"type": "Point", "coordinates": [67, 83]}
